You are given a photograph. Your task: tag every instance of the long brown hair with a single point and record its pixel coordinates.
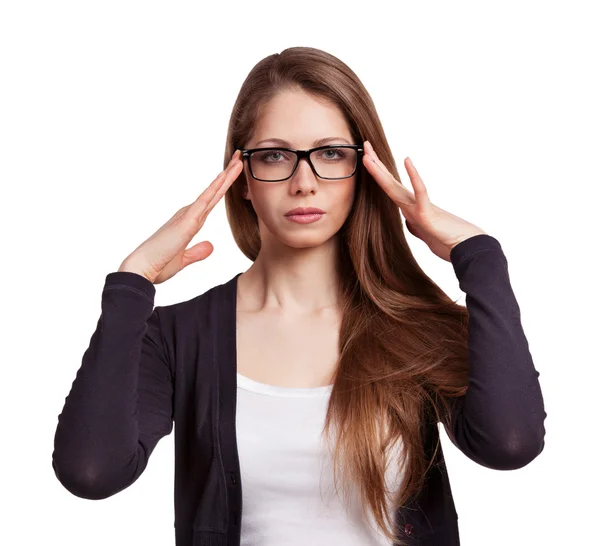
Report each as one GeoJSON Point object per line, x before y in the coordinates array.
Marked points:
{"type": "Point", "coordinates": [403, 341]}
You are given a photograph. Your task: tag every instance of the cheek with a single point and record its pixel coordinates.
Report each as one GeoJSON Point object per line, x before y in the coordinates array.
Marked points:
{"type": "Point", "coordinates": [264, 200]}
{"type": "Point", "coordinates": [257, 192]}
{"type": "Point", "coordinates": [349, 196]}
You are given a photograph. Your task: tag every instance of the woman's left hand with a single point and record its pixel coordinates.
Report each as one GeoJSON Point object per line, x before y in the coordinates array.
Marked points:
{"type": "Point", "coordinates": [440, 230]}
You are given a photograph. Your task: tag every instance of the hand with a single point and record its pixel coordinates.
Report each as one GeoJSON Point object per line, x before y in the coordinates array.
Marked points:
{"type": "Point", "coordinates": [164, 254]}
{"type": "Point", "coordinates": [440, 230]}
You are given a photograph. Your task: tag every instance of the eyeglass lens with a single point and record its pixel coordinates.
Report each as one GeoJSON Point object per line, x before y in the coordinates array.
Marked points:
{"type": "Point", "coordinates": [278, 164]}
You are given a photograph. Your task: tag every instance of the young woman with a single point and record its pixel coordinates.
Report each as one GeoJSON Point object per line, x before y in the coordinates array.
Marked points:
{"type": "Point", "coordinates": [318, 377]}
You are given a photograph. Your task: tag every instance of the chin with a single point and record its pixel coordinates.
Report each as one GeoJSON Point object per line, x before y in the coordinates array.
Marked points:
{"type": "Point", "coordinates": [297, 235]}
{"type": "Point", "coordinates": [304, 242]}
{"type": "Point", "coordinates": [305, 239]}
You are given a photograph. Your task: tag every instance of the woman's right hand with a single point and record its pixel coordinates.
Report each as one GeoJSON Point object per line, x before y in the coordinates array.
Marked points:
{"type": "Point", "coordinates": [164, 253]}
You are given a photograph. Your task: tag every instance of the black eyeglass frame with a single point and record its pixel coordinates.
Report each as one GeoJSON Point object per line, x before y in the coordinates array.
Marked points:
{"type": "Point", "coordinates": [303, 154]}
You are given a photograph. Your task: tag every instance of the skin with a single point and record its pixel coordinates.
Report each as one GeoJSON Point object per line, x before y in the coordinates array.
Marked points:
{"type": "Point", "coordinates": [439, 229]}
{"type": "Point", "coordinates": [296, 269]}
{"type": "Point", "coordinates": [288, 319]}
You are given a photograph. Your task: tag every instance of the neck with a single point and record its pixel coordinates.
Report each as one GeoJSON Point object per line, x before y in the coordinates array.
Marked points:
{"type": "Point", "coordinates": [293, 280]}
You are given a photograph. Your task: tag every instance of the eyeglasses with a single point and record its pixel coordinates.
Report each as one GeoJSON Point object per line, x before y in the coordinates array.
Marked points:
{"type": "Point", "coordinates": [331, 162]}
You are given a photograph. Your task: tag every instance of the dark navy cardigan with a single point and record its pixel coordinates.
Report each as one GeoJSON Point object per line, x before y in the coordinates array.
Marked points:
{"type": "Point", "coordinates": [148, 367]}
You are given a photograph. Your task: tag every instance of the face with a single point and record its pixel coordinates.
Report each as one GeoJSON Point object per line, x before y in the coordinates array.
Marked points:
{"type": "Point", "coordinates": [299, 119]}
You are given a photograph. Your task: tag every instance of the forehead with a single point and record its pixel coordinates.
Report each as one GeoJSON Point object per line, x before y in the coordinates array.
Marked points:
{"type": "Point", "coordinates": [300, 120]}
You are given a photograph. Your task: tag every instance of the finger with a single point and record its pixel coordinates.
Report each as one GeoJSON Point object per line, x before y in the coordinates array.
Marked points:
{"type": "Point", "coordinates": [212, 189]}
{"type": "Point", "coordinates": [416, 181]}
{"type": "Point", "coordinates": [209, 197]}
{"type": "Point", "coordinates": [373, 154]}
{"type": "Point", "coordinates": [197, 253]}
{"type": "Point", "coordinates": [388, 182]}
{"type": "Point", "coordinates": [230, 177]}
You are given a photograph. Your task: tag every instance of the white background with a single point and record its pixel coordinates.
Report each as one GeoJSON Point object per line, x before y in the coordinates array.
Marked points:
{"type": "Point", "coordinates": [113, 115]}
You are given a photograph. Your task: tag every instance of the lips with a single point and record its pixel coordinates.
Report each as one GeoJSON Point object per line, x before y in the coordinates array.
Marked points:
{"type": "Point", "coordinates": [304, 210]}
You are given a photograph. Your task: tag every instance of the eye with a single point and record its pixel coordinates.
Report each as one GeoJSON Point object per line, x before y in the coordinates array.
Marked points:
{"type": "Point", "coordinates": [267, 156]}
{"type": "Point", "coordinates": [332, 153]}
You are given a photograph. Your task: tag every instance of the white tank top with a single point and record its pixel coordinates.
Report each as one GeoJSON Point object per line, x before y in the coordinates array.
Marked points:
{"type": "Point", "coordinates": [287, 474]}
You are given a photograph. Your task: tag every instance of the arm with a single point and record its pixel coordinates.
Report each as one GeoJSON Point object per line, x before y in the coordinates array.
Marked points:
{"type": "Point", "coordinates": [120, 403]}
{"type": "Point", "coordinates": [499, 423]}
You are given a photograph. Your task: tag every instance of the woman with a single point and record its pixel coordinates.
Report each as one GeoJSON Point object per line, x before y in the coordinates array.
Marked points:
{"type": "Point", "coordinates": [328, 364]}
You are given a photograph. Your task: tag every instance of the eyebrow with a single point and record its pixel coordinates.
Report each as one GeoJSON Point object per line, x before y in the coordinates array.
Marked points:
{"type": "Point", "coordinates": [316, 143]}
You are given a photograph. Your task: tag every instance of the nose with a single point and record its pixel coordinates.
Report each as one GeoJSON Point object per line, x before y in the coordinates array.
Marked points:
{"type": "Point", "coordinates": [303, 179]}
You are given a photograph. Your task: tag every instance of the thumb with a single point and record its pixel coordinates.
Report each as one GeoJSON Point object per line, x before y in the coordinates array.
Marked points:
{"type": "Point", "coordinates": [197, 253]}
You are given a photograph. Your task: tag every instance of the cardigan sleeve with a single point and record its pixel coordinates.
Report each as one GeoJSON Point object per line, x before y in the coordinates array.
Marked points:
{"type": "Point", "coordinates": [499, 422]}
{"type": "Point", "coordinates": [121, 401]}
